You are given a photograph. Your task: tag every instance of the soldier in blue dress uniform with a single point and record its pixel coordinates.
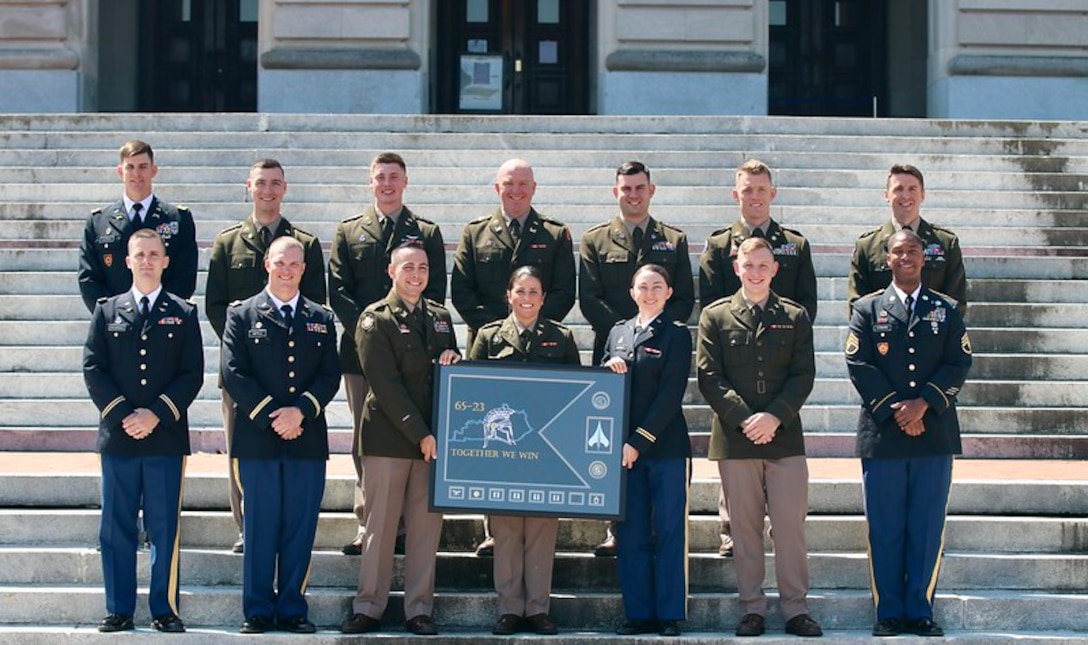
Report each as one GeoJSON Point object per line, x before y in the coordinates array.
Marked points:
{"type": "Point", "coordinates": [908, 355]}
{"type": "Point", "coordinates": [102, 270]}
{"type": "Point", "coordinates": [143, 365]}
{"type": "Point", "coordinates": [281, 368]}
{"type": "Point", "coordinates": [652, 541]}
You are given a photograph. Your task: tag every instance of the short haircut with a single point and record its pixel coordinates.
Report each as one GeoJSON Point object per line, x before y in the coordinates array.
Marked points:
{"type": "Point", "coordinates": [145, 234]}
{"type": "Point", "coordinates": [389, 157]}
{"type": "Point", "coordinates": [905, 169]}
{"type": "Point", "coordinates": [410, 245]}
{"type": "Point", "coordinates": [652, 268]}
{"type": "Point", "coordinates": [266, 164]}
{"type": "Point", "coordinates": [905, 233]}
{"type": "Point", "coordinates": [753, 244]}
{"type": "Point", "coordinates": [136, 147]}
{"type": "Point", "coordinates": [283, 243]}
{"type": "Point", "coordinates": [525, 271]}
{"type": "Point", "coordinates": [755, 167]}
{"type": "Point", "coordinates": [629, 168]}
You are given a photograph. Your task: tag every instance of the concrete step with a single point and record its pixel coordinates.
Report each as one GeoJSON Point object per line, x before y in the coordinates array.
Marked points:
{"type": "Point", "coordinates": [991, 612]}
{"type": "Point", "coordinates": [28, 529]}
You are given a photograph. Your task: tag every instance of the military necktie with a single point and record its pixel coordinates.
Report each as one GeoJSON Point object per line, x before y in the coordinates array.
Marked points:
{"type": "Point", "coordinates": [266, 236]}
{"type": "Point", "coordinates": [137, 221]}
{"type": "Point", "coordinates": [515, 229]}
{"type": "Point", "coordinates": [145, 306]}
{"type": "Point", "coordinates": [637, 236]}
{"type": "Point", "coordinates": [909, 302]}
{"type": "Point", "coordinates": [387, 231]}
{"type": "Point", "coordinates": [287, 318]}
{"type": "Point", "coordinates": [757, 313]}
{"type": "Point", "coordinates": [758, 232]}
{"type": "Point", "coordinates": [526, 340]}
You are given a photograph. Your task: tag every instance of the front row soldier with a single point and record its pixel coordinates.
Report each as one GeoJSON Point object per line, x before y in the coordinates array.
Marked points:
{"type": "Point", "coordinates": [756, 368]}
{"type": "Point", "coordinates": [143, 365]}
{"type": "Point", "coordinates": [400, 340]}
{"type": "Point", "coordinates": [908, 355]}
{"type": "Point", "coordinates": [280, 367]}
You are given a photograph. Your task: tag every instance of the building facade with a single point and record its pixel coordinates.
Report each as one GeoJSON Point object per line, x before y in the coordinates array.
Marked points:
{"type": "Point", "coordinates": [977, 59]}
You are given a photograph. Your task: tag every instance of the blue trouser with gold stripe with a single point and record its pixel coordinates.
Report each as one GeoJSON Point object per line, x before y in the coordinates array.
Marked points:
{"type": "Point", "coordinates": [155, 484]}
{"type": "Point", "coordinates": [281, 499]}
{"type": "Point", "coordinates": [652, 541]}
{"type": "Point", "coordinates": [905, 505]}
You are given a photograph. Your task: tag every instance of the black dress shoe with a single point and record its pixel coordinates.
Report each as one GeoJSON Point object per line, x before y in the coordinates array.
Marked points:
{"type": "Point", "coordinates": [803, 625]}
{"type": "Point", "coordinates": [606, 549]}
{"type": "Point", "coordinates": [637, 626]}
{"type": "Point", "coordinates": [421, 625]}
{"type": "Point", "coordinates": [257, 625]}
{"type": "Point", "coordinates": [116, 623]}
{"type": "Point", "coordinates": [541, 624]}
{"type": "Point", "coordinates": [360, 624]}
{"type": "Point", "coordinates": [669, 628]}
{"type": "Point", "coordinates": [486, 549]}
{"type": "Point", "coordinates": [297, 625]}
{"type": "Point", "coordinates": [926, 627]}
{"type": "Point", "coordinates": [888, 627]}
{"type": "Point", "coordinates": [239, 545]}
{"type": "Point", "coordinates": [750, 625]}
{"type": "Point", "coordinates": [168, 623]}
{"type": "Point", "coordinates": [352, 548]}
{"type": "Point", "coordinates": [506, 625]}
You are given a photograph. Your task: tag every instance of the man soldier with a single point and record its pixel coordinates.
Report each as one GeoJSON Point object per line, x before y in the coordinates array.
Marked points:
{"type": "Point", "coordinates": [754, 191]}
{"type": "Point", "coordinates": [359, 276]}
{"type": "Point", "coordinates": [102, 271]}
{"type": "Point", "coordinates": [905, 190]}
{"type": "Point", "coordinates": [756, 367]}
{"type": "Point", "coordinates": [611, 253]}
{"type": "Point", "coordinates": [400, 340]}
{"type": "Point", "coordinates": [236, 271]}
{"type": "Point", "coordinates": [280, 367]}
{"type": "Point", "coordinates": [908, 355]}
{"type": "Point", "coordinates": [143, 364]}
{"type": "Point", "coordinates": [492, 247]}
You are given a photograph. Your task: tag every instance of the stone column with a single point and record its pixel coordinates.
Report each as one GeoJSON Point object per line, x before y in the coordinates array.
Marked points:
{"type": "Point", "coordinates": [40, 46]}
{"type": "Point", "coordinates": [343, 56]}
{"type": "Point", "coordinates": [682, 57]}
{"type": "Point", "coordinates": [1002, 59]}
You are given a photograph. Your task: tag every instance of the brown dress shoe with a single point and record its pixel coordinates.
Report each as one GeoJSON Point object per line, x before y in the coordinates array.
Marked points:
{"type": "Point", "coordinates": [506, 625]}
{"type": "Point", "coordinates": [541, 624]}
{"type": "Point", "coordinates": [803, 625]}
{"type": "Point", "coordinates": [421, 625]}
{"type": "Point", "coordinates": [750, 625]}
{"type": "Point", "coordinates": [360, 624]}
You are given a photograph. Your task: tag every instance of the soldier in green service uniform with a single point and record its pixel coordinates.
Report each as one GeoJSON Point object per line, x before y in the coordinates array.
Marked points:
{"type": "Point", "coordinates": [796, 277]}
{"type": "Point", "coordinates": [905, 190]}
{"type": "Point", "coordinates": [491, 248]}
{"type": "Point", "coordinates": [611, 252]}
{"type": "Point", "coordinates": [359, 276]}
{"type": "Point", "coordinates": [236, 272]}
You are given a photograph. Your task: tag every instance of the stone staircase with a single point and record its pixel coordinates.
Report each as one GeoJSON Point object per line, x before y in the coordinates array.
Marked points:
{"type": "Point", "coordinates": [1014, 192]}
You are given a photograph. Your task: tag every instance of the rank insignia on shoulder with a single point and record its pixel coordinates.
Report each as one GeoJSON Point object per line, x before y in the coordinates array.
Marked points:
{"type": "Point", "coordinates": [965, 343]}
{"type": "Point", "coordinates": [852, 344]}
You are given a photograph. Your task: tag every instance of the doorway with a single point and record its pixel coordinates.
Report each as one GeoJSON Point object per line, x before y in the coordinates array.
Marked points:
{"type": "Point", "coordinates": [512, 56]}
{"type": "Point", "coordinates": [828, 57]}
{"type": "Point", "coordinates": [198, 56]}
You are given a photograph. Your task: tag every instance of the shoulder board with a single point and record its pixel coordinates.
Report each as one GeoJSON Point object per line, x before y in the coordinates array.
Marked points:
{"type": "Point", "coordinates": [720, 231]}
{"type": "Point", "coordinates": [720, 302]}
{"type": "Point", "coordinates": [377, 305]}
{"type": "Point", "coordinates": [602, 225]}
{"type": "Point", "coordinates": [670, 227]}
{"type": "Point", "coordinates": [792, 231]}
{"type": "Point", "coordinates": [182, 207]}
{"type": "Point", "coordinates": [944, 296]}
{"type": "Point", "coordinates": [423, 219]}
{"type": "Point", "coordinates": [233, 227]}
{"type": "Point", "coordinates": [558, 325]}
{"type": "Point", "coordinates": [235, 303]}
{"type": "Point", "coordinates": [492, 324]}
{"type": "Point", "coordinates": [941, 229]}
{"type": "Point", "coordinates": [554, 222]}
{"type": "Point", "coordinates": [680, 324]}
{"type": "Point", "coordinates": [302, 234]}
{"type": "Point", "coordinates": [479, 220]}
{"type": "Point", "coordinates": [97, 211]}
{"type": "Point", "coordinates": [433, 304]}
{"type": "Point", "coordinates": [790, 301]}
{"type": "Point", "coordinates": [868, 234]}
{"type": "Point", "coordinates": [103, 300]}
{"type": "Point", "coordinates": [351, 218]}
{"type": "Point", "coordinates": [619, 323]}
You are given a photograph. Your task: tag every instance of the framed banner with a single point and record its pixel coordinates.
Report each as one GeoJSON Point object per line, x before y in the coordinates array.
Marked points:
{"type": "Point", "coordinates": [529, 439]}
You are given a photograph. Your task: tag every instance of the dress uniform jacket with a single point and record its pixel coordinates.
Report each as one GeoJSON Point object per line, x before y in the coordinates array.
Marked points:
{"type": "Point", "coordinates": [158, 364]}
{"type": "Point", "coordinates": [796, 277]}
{"type": "Point", "coordinates": [943, 269]}
{"type": "Point", "coordinates": [102, 270]}
{"type": "Point", "coordinates": [358, 269]}
{"type": "Point", "coordinates": [487, 254]}
{"type": "Point", "coordinates": [266, 366]}
{"type": "Point", "coordinates": [747, 366]}
{"type": "Point", "coordinates": [659, 359]}
{"type": "Point", "coordinates": [398, 360]}
{"type": "Point", "coordinates": [236, 268]}
{"type": "Point", "coordinates": [608, 261]}
{"type": "Point", "coordinates": [893, 356]}
{"type": "Point", "coordinates": [550, 342]}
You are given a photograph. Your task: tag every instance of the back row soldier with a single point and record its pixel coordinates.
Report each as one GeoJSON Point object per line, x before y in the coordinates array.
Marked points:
{"type": "Point", "coordinates": [102, 252]}
{"type": "Point", "coordinates": [795, 279]}
{"type": "Point", "coordinates": [359, 276]}
{"type": "Point", "coordinates": [236, 271]}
